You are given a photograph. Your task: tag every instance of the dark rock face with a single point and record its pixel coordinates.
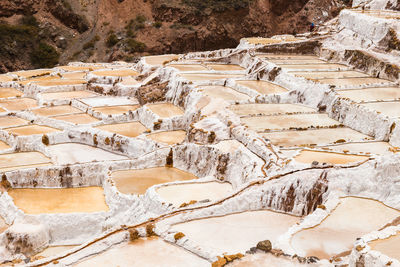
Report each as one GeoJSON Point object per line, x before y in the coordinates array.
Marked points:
{"type": "Point", "coordinates": [64, 13]}
{"type": "Point", "coordinates": [265, 245]}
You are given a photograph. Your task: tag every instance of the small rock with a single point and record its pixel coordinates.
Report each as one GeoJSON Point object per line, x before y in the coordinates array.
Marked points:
{"type": "Point", "coordinates": [315, 163]}
{"type": "Point", "coordinates": [264, 245]}
{"type": "Point", "coordinates": [312, 259]}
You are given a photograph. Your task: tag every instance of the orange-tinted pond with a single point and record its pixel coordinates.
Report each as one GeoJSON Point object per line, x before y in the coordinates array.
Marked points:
{"type": "Point", "coordinates": [113, 110]}
{"type": "Point", "coordinates": [208, 76]}
{"type": "Point", "coordinates": [138, 181]}
{"type": "Point", "coordinates": [9, 92]}
{"type": "Point", "coordinates": [18, 104]}
{"type": "Point", "coordinates": [269, 109]}
{"type": "Point", "coordinates": [308, 156]}
{"type": "Point", "coordinates": [67, 95]}
{"type": "Point", "coordinates": [352, 218]}
{"type": "Point", "coordinates": [8, 121]}
{"type": "Point", "coordinates": [145, 252]}
{"type": "Point", "coordinates": [59, 200]}
{"type": "Point", "coordinates": [165, 110]}
{"type": "Point", "coordinates": [22, 160]}
{"type": "Point", "coordinates": [129, 129]}
{"type": "Point", "coordinates": [263, 87]}
{"type": "Point", "coordinates": [389, 246]}
{"type": "Point", "coordinates": [56, 110]}
{"type": "Point", "coordinates": [81, 118]}
{"type": "Point", "coordinates": [223, 92]}
{"type": "Point", "coordinates": [237, 232]}
{"type": "Point", "coordinates": [168, 137]}
{"type": "Point", "coordinates": [31, 130]}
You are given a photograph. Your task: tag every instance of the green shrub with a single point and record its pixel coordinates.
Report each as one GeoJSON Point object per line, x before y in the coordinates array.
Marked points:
{"type": "Point", "coordinates": [157, 24]}
{"type": "Point", "coordinates": [140, 19]}
{"type": "Point", "coordinates": [112, 39]}
{"type": "Point", "coordinates": [91, 43]}
{"type": "Point", "coordinates": [132, 46]}
{"type": "Point", "coordinates": [44, 56]}
{"type": "Point", "coordinates": [178, 26]}
{"type": "Point", "coordinates": [29, 20]}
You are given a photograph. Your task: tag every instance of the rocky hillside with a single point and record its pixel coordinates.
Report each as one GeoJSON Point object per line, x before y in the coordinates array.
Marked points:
{"type": "Point", "coordinates": [36, 33]}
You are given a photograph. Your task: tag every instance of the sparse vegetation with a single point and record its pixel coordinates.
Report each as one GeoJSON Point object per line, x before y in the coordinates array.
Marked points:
{"type": "Point", "coordinates": [44, 56]}
{"type": "Point", "coordinates": [157, 24]}
{"type": "Point", "coordinates": [181, 26]}
{"type": "Point", "coordinates": [112, 39]}
{"type": "Point", "coordinates": [91, 43]}
{"type": "Point", "coordinates": [218, 5]}
{"type": "Point", "coordinates": [133, 46]}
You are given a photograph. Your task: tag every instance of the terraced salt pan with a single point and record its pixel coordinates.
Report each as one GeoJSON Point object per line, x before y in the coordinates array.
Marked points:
{"type": "Point", "coordinates": [372, 94]}
{"type": "Point", "coordinates": [31, 130]}
{"type": "Point", "coordinates": [165, 110]}
{"type": "Point", "coordinates": [74, 75]}
{"type": "Point", "coordinates": [353, 81]}
{"type": "Point", "coordinates": [9, 92]}
{"type": "Point", "coordinates": [160, 60]}
{"type": "Point", "coordinates": [116, 73]}
{"type": "Point", "coordinates": [32, 73]}
{"type": "Point", "coordinates": [39, 79]}
{"type": "Point", "coordinates": [14, 161]}
{"type": "Point", "coordinates": [378, 148]}
{"type": "Point", "coordinates": [58, 82]}
{"type": "Point", "coordinates": [145, 252]}
{"type": "Point", "coordinates": [317, 137]}
{"type": "Point", "coordinates": [168, 137]}
{"type": "Point", "coordinates": [237, 232]}
{"type": "Point", "coordinates": [263, 87]}
{"type": "Point", "coordinates": [3, 146]}
{"type": "Point", "coordinates": [59, 200]}
{"type": "Point", "coordinates": [188, 67]}
{"type": "Point", "coordinates": [296, 61]}
{"type": "Point", "coordinates": [8, 121]}
{"type": "Point", "coordinates": [129, 129]}
{"type": "Point", "coordinates": [288, 56]}
{"type": "Point", "coordinates": [351, 219]}
{"type": "Point", "coordinates": [266, 41]}
{"type": "Point", "coordinates": [208, 76]}
{"type": "Point", "coordinates": [223, 92]}
{"type": "Point", "coordinates": [138, 181]}
{"type": "Point", "coordinates": [184, 193]}
{"type": "Point", "coordinates": [18, 104]}
{"type": "Point", "coordinates": [114, 110]}
{"type": "Point", "coordinates": [327, 66]}
{"type": "Point", "coordinates": [109, 101]}
{"type": "Point", "coordinates": [5, 78]}
{"type": "Point", "coordinates": [224, 67]}
{"type": "Point", "coordinates": [390, 109]}
{"type": "Point", "coordinates": [79, 68]}
{"type": "Point", "coordinates": [308, 156]}
{"type": "Point", "coordinates": [67, 95]}
{"type": "Point", "coordinates": [71, 153]}
{"type": "Point", "coordinates": [56, 110]}
{"type": "Point", "coordinates": [129, 80]}
{"type": "Point", "coordinates": [268, 109]}
{"type": "Point", "coordinates": [283, 122]}
{"type": "Point", "coordinates": [389, 246]}
{"type": "Point", "coordinates": [267, 259]}
{"type": "Point", "coordinates": [51, 251]}
{"type": "Point", "coordinates": [329, 74]}
{"type": "Point", "coordinates": [82, 118]}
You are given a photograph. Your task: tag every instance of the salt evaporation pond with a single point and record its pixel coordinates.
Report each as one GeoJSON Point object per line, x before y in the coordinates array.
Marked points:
{"type": "Point", "coordinates": [237, 232]}
{"type": "Point", "coordinates": [3, 146]}
{"type": "Point", "coordinates": [326, 66]}
{"type": "Point", "coordinates": [378, 148]}
{"type": "Point", "coordinates": [67, 95]}
{"type": "Point", "coordinates": [223, 92]}
{"type": "Point", "coordinates": [160, 60]}
{"type": "Point", "coordinates": [8, 121]}
{"type": "Point", "coordinates": [115, 110]}
{"type": "Point", "coordinates": [372, 94]}
{"type": "Point", "coordinates": [165, 110]}
{"type": "Point", "coordinates": [352, 218]}
{"type": "Point", "coordinates": [82, 118]}
{"type": "Point", "coordinates": [168, 137]}
{"type": "Point", "coordinates": [283, 122]}
{"type": "Point", "coordinates": [308, 156]}
{"type": "Point", "coordinates": [59, 200]}
{"type": "Point", "coordinates": [9, 92]}
{"type": "Point", "coordinates": [389, 246]}
{"type": "Point", "coordinates": [71, 153]}
{"type": "Point", "coordinates": [317, 137]}
{"type": "Point", "coordinates": [225, 67]}
{"type": "Point", "coordinates": [184, 193]}
{"type": "Point", "coordinates": [267, 260]}
{"type": "Point", "coordinates": [269, 109]}
{"type": "Point", "coordinates": [18, 104]}
{"type": "Point", "coordinates": [390, 109]}
{"type": "Point", "coordinates": [145, 252]}
{"type": "Point", "coordinates": [116, 72]}
{"type": "Point", "coordinates": [138, 181]}
{"type": "Point", "coordinates": [208, 76]}
{"type": "Point", "coordinates": [56, 110]}
{"type": "Point", "coordinates": [188, 67]}
{"type": "Point", "coordinates": [129, 129]}
{"type": "Point", "coordinates": [353, 81]}
{"type": "Point", "coordinates": [31, 130]}
{"type": "Point", "coordinates": [263, 87]}
{"type": "Point", "coordinates": [21, 160]}
{"type": "Point", "coordinates": [329, 74]}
